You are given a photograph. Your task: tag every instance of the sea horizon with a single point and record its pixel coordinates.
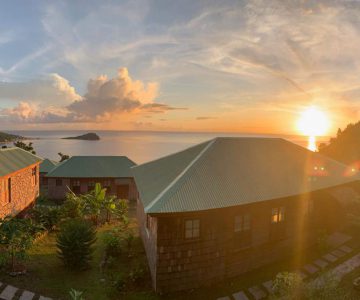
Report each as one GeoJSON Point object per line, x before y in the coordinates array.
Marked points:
{"type": "Point", "coordinates": [139, 145]}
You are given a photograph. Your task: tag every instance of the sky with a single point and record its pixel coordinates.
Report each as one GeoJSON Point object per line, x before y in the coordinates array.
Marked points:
{"type": "Point", "coordinates": [229, 66]}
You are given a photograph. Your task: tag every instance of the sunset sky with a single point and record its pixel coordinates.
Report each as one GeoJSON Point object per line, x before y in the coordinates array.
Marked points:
{"type": "Point", "coordinates": [246, 66]}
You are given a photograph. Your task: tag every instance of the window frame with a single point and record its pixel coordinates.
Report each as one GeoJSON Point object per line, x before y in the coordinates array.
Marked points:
{"type": "Point", "coordinates": [186, 229]}
{"type": "Point", "coordinates": [57, 181]}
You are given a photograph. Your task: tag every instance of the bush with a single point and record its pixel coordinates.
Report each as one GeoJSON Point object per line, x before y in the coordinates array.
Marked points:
{"type": "Point", "coordinates": [74, 243]}
{"type": "Point", "coordinates": [47, 217]}
{"type": "Point", "coordinates": [73, 206]}
{"type": "Point", "coordinates": [120, 282]}
{"type": "Point", "coordinates": [112, 244]}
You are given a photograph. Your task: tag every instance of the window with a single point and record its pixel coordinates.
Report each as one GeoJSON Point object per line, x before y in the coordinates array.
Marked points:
{"type": "Point", "coordinates": [192, 229]}
{"type": "Point", "coordinates": [91, 186]}
{"type": "Point", "coordinates": [58, 182]}
{"type": "Point", "coordinates": [34, 176]}
{"type": "Point", "coordinates": [76, 186]}
{"type": "Point", "coordinates": [242, 223]}
{"type": "Point", "coordinates": [9, 189]}
{"type": "Point", "coordinates": [278, 215]}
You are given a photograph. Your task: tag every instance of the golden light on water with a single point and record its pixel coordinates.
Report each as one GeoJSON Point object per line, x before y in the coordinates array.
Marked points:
{"type": "Point", "coordinates": [313, 122]}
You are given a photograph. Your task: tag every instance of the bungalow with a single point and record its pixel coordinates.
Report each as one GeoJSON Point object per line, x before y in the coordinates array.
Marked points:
{"type": "Point", "coordinates": [45, 167]}
{"type": "Point", "coordinates": [80, 173]}
{"type": "Point", "coordinates": [230, 205]}
{"type": "Point", "coordinates": [19, 180]}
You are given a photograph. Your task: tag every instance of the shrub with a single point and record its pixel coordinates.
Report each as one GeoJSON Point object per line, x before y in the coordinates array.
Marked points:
{"type": "Point", "coordinates": [137, 274]}
{"type": "Point", "coordinates": [120, 282]}
{"type": "Point", "coordinates": [76, 295]}
{"type": "Point", "coordinates": [74, 243]}
{"type": "Point", "coordinates": [73, 206]}
{"type": "Point", "coordinates": [48, 217]}
{"type": "Point", "coordinates": [112, 244]}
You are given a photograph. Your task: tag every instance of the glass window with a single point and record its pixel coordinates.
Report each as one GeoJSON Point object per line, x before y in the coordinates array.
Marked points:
{"type": "Point", "coordinates": [192, 229]}
{"type": "Point", "coordinates": [242, 223]}
{"type": "Point", "coordinates": [58, 182]}
{"type": "Point", "coordinates": [278, 215]}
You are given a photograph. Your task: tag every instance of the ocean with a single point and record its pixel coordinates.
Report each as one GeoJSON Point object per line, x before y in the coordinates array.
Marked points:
{"type": "Point", "coordinates": [140, 146]}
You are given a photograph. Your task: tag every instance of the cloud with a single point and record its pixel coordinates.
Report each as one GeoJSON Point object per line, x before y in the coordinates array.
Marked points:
{"type": "Point", "coordinates": [205, 118]}
{"type": "Point", "coordinates": [105, 100]}
{"type": "Point", "coordinates": [53, 89]}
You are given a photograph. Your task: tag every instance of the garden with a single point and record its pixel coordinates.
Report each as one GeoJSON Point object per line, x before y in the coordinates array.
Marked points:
{"type": "Point", "coordinates": [86, 248]}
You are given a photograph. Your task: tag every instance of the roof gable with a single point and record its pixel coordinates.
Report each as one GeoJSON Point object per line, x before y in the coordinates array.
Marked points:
{"type": "Point", "coordinates": [47, 165]}
{"type": "Point", "coordinates": [93, 167]}
{"type": "Point", "coordinates": [235, 171]}
{"type": "Point", "coordinates": [14, 159]}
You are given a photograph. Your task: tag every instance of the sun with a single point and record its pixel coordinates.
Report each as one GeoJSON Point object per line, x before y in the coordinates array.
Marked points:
{"type": "Point", "coordinates": [313, 122]}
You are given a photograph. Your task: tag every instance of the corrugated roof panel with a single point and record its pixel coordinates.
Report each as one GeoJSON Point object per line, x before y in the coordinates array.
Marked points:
{"type": "Point", "coordinates": [14, 159]}
{"type": "Point", "coordinates": [93, 167]}
{"type": "Point", "coordinates": [235, 171]}
{"type": "Point", "coordinates": [47, 165]}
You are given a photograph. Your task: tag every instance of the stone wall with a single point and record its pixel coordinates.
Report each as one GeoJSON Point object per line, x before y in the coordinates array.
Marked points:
{"type": "Point", "coordinates": [186, 264]}
{"type": "Point", "coordinates": [24, 191]}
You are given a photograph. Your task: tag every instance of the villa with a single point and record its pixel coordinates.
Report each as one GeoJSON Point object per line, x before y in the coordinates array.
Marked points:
{"type": "Point", "coordinates": [81, 173]}
{"type": "Point", "coordinates": [230, 205]}
{"type": "Point", "coordinates": [19, 180]}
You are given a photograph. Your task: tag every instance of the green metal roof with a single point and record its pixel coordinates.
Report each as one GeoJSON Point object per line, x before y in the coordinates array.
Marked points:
{"type": "Point", "coordinates": [14, 159]}
{"type": "Point", "coordinates": [228, 172]}
{"type": "Point", "coordinates": [47, 165]}
{"type": "Point", "coordinates": [93, 167]}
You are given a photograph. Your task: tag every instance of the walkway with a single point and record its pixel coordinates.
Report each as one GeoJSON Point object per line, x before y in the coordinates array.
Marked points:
{"type": "Point", "coordinates": [9, 292]}
{"type": "Point", "coordinates": [263, 290]}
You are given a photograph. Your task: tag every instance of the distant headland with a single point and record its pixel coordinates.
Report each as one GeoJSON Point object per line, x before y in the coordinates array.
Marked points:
{"type": "Point", "coordinates": [6, 137]}
{"type": "Point", "coordinates": [86, 137]}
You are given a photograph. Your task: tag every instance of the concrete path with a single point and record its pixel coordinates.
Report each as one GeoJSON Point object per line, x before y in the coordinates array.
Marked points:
{"type": "Point", "coordinates": [9, 292]}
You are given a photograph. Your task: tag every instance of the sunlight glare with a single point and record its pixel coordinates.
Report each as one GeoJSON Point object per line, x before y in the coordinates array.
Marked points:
{"type": "Point", "coordinates": [313, 122]}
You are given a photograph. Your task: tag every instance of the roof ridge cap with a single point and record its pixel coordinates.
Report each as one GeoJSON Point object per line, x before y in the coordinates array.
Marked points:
{"type": "Point", "coordinates": [164, 191]}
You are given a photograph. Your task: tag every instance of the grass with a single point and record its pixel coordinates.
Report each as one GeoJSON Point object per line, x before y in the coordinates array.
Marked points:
{"type": "Point", "coordinates": [48, 276]}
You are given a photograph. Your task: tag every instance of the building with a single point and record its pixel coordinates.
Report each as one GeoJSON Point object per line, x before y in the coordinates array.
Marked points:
{"type": "Point", "coordinates": [230, 205]}
{"type": "Point", "coordinates": [46, 166]}
{"type": "Point", "coordinates": [81, 173]}
{"type": "Point", "coordinates": [19, 180]}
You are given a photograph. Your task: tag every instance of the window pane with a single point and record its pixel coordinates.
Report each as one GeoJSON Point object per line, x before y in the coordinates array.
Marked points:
{"type": "Point", "coordinates": [274, 215]}
{"type": "Point", "coordinates": [247, 223]}
{"type": "Point", "coordinates": [282, 214]}
{"type": "Point", "coordinates": [238, 223]}
{"type": "Point", "coordinates": [188, 224]}
{"type": "Point", "coordinates": [188, 233]}
{"type": "Point", "coordinates": [196, 223]}
{"type": "Point", "coordinates": [196, 233]}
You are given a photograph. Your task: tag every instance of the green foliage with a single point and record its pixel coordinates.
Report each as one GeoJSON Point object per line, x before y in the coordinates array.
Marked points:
{"type": "Point", "coordinates": [46, 216]}
{"type": "Point", "coordinates": [289, 286]}
{"type": "Point", "coordinates": [16, 237]}
{"type": "Point", "coordinates": [129, 239]}
{"type": "Point", "coordinates": [74, 243]}
{"type": "Point", "coordinates": [112, 242]}
{"type": "Point", "coordinates": [76, 295]}
{"type": "Point", "coordinates": [27, 147]}
{"type": "Point", "coordinates": [120, 282]}
{"type": "Point", "coordinates": [73, 206]}
{"type": "Point", "coordinates": [137, 274]}
{"type": "Point", "coordinates": [63, 157]}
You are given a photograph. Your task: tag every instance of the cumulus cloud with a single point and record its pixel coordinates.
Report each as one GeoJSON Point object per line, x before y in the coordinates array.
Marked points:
{"type": "Point", "coordinates": [53, 89]}
{"type": "Point", "coordinates": [104, 100]}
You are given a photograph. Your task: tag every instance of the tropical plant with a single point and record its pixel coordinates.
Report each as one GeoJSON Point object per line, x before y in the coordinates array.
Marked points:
{"type": "Point", "coordinates": [94, 202]}
{"type": "Point", "coordinates": [16, 237]}
{"type": "Point", "coordinates": [63, 157]}
{"type": "Point", "coordinates": [74, 243]}
{"type": "Point", "coordinates": [112, 242]}
{"type": "Point", "coordinates": [27, 147]}
{"type": "Point", "coordinates": [46, 216]}
{"type": "Point", "coordinates": [76, 295]}
{"type": "Point", "coordinates": [73, 206]}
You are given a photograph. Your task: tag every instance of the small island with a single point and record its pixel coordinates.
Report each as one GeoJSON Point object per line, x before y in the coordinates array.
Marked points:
{"type": "Point", "coordinates": [86, 137]}
{"type": "Point", "coordinates": [6, 137]}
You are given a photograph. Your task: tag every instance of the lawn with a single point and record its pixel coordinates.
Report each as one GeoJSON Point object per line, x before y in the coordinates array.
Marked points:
{"type": "Point", "coordinates": [48, 276]}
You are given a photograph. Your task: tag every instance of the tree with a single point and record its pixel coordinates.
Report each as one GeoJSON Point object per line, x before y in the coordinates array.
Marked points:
{"type": "Point", "coordinates": [27, 147]}
{"type": "Point", "coordinates": [74, 242]}
{"type": "Point", "coordinates": [63, 157]}
{"type": "Point", "coordinates": [95, 202]}
{"type": "Point", "coordinates": [16, 237]}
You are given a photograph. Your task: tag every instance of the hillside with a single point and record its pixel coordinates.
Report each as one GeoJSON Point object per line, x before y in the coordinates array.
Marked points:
{"type": "Point", "coordinates": [86, 137]}
{"type": "Point", "coordinates": [345, 147]}
{"type": "Point", "coordinates": [6, 137]}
